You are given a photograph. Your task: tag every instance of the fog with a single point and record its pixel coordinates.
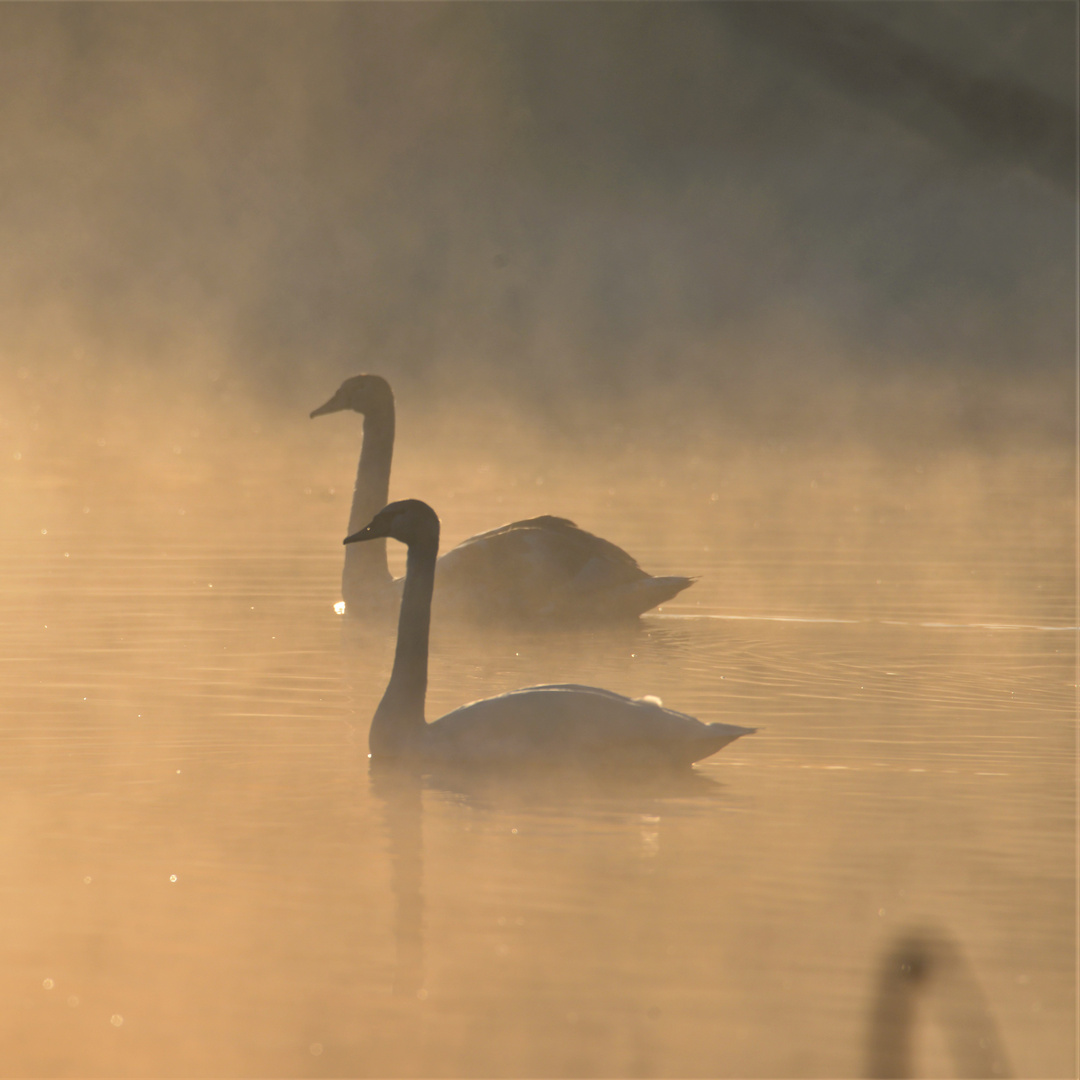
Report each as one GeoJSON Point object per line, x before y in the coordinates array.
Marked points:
{"type": "Point", "coordinates": [780, 297]}
{"type": "Point", "coordinates": [563, 207]}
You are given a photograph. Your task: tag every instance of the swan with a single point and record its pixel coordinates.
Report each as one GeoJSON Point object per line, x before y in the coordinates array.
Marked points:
{"type": "Point", "coordinates": [541, 568]}
{"type": "Point", "coordinates": [927, 963]}
{"type": "Point", "coordinates": [563, 724]}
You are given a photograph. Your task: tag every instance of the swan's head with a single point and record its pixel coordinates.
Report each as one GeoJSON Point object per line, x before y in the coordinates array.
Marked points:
{"type": "Point", "coordinates": [362, 393]}
{"type": "Point", "coordinates": [410, 521]}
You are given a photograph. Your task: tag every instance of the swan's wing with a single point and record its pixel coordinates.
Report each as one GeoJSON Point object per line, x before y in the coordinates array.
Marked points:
{"type": "Point", "coordinates": [557, 540]}
{"type": "Point", "coordinates": [544, 521]}
{"type": "Point", "coordinates": [547, 566]}
{"type": "Point", "coordinates": [575, 724]}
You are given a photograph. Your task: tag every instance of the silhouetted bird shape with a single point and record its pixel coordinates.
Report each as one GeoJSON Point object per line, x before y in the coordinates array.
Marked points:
{"type": "Point", "coordinates": [926, 965]}
{"type": "Point", "coordinates": [539, 725]}
{"type": "Point", "coordinates": [542, 569]}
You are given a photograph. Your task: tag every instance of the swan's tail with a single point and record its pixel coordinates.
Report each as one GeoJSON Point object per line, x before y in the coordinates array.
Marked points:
{"type": "Point", "coordinates": [637, 597]}
{"type": "Point", "coordinates": [716, 737]}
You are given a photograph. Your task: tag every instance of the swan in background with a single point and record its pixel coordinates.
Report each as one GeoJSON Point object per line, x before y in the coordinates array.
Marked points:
{"type": "Point", "coordinates": [926, 963]}
{"type": "Point", "coordinates": [542, 568]}
{"type": "Point", "coordinates": [577, 725]}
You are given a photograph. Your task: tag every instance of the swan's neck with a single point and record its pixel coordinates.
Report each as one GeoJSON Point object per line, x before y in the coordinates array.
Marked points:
{"type": "Point", "coordinates": [399, 719]}
{"type": "Point", "coordinates": [366, 569]}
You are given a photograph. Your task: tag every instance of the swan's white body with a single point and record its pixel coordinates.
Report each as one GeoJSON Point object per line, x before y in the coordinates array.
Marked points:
{"type": "Point", "coordinates": [559, 724]}
{"type": "Point", "coordinates": [579, 723]}
{"type": "Point", "coordinates": [542, 568]}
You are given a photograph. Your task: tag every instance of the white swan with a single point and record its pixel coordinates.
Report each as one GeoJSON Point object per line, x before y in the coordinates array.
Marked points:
{"type": "Point", "coordinates": [540, 724]}
{"type": "Point", "coordinates": [541, 568]}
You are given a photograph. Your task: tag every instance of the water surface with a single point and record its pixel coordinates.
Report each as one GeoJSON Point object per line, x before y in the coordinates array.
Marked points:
{"type": "Point", "coordinates": [202, 877]}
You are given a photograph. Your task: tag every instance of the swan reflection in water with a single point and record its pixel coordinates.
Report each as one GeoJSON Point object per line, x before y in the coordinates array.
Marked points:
{"type": "Point", "coordinates": [540, 569]}
{"type": "Point", "coordinates": [400, 793]}
{"type": "Point", "coordinates": [562, 725]}
{"type": "Point", "coordinates": [928, 965]}
{"type": "Point", "coordinates": [401, 790]}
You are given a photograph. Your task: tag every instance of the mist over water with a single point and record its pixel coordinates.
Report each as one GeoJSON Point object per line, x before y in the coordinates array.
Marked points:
{"type": "Point", "coordinates": [555, 204]}
{"type": "Point", "coordinates": [710, 291]}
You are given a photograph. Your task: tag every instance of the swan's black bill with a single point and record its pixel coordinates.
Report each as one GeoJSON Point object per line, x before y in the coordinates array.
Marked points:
{"type": "Point", "coordinates": [333, 405]}
{"type": "Point", "coordinates": [380, 525]}
{"type": "Point", "coordinates": [368, 532]}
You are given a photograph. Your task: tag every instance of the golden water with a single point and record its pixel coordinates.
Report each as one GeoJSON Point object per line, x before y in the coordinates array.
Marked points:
{"type": "Point", "coordinates": [200, 877]}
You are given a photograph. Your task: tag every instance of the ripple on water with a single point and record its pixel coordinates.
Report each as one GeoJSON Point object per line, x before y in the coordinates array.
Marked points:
{"type": "Point", "coordinates": [914, 756]}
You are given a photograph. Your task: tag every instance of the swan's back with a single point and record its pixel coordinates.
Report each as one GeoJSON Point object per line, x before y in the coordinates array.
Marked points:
{"type": "Point", "coordinates": [574, 724]}
{"type": "Point", "coordinates": [546, 566]}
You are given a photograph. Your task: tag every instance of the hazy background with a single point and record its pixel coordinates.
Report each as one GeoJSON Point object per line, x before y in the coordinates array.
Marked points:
{"type": "Point", "coordinates": [779, 296]}
{"type": "Point", "coordinates": [839, 221]}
